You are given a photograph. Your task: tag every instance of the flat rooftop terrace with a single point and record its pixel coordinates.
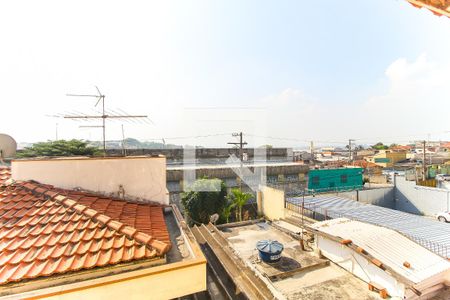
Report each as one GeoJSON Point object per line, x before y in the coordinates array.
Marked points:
{"type": "Point", "coordinates": [299, 274]}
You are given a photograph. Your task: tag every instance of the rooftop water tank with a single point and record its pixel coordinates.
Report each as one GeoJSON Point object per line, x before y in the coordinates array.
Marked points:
{"type": "Point", "coordinates": [269, 251]}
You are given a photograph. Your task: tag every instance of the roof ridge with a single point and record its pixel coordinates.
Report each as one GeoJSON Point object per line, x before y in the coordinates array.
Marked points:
{"type": "Point", "coordinates": [130, 232]}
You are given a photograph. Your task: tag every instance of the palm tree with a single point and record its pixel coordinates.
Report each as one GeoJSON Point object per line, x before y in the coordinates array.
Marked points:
{"type": "Point", "coordinates": [227, 210]}
{"type": "Point", "coordinates": [239, 199]}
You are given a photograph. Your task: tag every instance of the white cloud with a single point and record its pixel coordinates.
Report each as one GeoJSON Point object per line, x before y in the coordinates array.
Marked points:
{"type": "Point", "coordinates": [416, 102]}
{"type": "Point", "coordinates": [417, 99]}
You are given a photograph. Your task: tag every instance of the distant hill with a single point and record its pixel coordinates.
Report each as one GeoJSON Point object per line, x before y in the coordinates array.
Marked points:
{"type": "Point", "coordinates": [131, 143]}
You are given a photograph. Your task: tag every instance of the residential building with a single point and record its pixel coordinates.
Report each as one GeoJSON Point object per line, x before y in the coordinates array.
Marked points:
{"type": "Point", "coordinates": [386, 158]}
{"type": "Point", "coordinates": [377, 255]}
{"type": "Point", "coordinates": [335, 179]}
{"type": "Point", "coordinates": [445, 147]}
{"type": "Point", "coordinates": [372, 172]}
{"type": "Point", "coordinates": [401, 148]}
{"type": "Point", "coordinates": [360, 154]}
{"type": "Point", "coordinates": [82, 228]}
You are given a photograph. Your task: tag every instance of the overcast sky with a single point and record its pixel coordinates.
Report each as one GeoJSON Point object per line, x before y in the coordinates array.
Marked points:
{"type": "Point", "coordinates": [301, 70]}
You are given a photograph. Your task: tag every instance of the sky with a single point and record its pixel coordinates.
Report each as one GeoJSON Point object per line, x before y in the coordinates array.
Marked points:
{"type": "Point", "coordinates": [283, 72]}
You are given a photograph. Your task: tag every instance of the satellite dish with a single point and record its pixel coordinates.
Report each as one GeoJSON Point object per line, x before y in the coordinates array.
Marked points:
{"type": "Point", "coordinates": [8, 146]}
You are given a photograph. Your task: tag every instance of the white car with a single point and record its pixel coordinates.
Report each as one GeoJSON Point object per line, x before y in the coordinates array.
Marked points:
{"type": "Point", "coordinates": [443, 177]}
{"type": "Point", "coordinates": [443, 216]}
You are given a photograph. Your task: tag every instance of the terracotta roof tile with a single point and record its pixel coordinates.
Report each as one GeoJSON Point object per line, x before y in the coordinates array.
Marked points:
{"type": "Point", "coordinates": [5, 174]}
{"type": "Point", "coordinates": [46, 231]}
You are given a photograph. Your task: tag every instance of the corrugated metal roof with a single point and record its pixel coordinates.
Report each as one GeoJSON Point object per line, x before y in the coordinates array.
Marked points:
{"type": "Point", "coordinates": [389, 247]}
{"type": "Point", "coordinates": [431, 234]}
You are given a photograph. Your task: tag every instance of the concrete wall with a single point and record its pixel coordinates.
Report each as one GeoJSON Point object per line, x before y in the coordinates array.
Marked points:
{"type": "Point", "coordinates": [405, 196]}
{"type": "Point", "coordinates": [142, 178]}
{"type": "Point", "coordinates": [272, 203]}
{"type": "Point", "coordinates": [208, 154]}
{"type": "Point", "coordinates": [381, 196]}
{"type": "Point", "coordinates": [419, 199]}
{"type": "Point", "coordinates": [287, 177]}
{"type": "Point", "coordinates": [222, 172]}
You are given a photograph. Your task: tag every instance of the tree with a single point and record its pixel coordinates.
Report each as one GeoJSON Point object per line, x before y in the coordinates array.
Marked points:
{"type": "Point", "coordinates": [379, 146]}
{"type": "Point", "coordinates": [199, 206]}
{"type": "Point", "coordinates": [226, 213]}
{"type": "Point", "coordinates": [59, 148]}
{"type": "Point", "coordinates": [239, 198]}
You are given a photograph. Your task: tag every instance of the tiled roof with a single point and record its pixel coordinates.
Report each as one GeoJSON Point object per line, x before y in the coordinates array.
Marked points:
{"type": "Point", "coordinates": [5, 174]}
{"type": "Point", "coordinates": [438, 7]}
{"type": "Point", "coordinates": [363, 164]}
{"type": "Point", "coordinates": [46, 231]}
{"type": "Point", "coordinates": [401, 148]}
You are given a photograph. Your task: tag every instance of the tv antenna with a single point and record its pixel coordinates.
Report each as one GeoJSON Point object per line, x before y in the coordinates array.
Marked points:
{"type": "Point", "coordinates": [100, 98]}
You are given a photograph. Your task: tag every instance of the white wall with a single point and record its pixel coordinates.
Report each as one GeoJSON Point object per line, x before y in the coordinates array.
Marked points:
{"type": "Point", "coordinates": [378, 196]}
{"type": "Point", "coordinates": [412, 198]}
{"type": "Point", "coordinates": [360, 266]}
{"type": "Point", "coordinates": [142, 178]}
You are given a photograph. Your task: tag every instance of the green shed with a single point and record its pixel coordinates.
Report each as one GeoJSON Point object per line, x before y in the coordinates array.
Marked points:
{"type": "Point", "coordinates": [340, 179]}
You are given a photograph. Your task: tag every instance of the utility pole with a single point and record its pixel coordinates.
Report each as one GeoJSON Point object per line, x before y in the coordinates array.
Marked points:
{"type": "Point", "coordinates": [56, 132]}
{"type": "Point", "coordinates": [311, 148]}
{"type": "Point", "coordinates": [350, 159]}
{"type": "Point", "coordinates": [424, 171]}
{"type": "Point", "coordinates": [241, 144]}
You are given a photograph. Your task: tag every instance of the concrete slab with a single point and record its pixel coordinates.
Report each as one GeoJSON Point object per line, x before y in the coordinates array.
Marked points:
{"type": "Point", "coordinates": [316, 282]}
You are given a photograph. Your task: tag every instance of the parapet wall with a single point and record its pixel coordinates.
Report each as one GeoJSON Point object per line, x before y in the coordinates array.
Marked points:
{"type": "Point", "coordinates": [219, 154]}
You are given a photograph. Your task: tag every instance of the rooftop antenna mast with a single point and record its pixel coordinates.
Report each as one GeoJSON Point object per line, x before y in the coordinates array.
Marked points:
{"type": "Point", "coordinates": [100, 98]}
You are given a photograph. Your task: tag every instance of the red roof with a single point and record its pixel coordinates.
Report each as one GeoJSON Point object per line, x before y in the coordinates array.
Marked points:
{"type": "Point", "coordinates": [401, 148]}
{"type": "Point", "coordinates": [5, 174]}
{"type": "Point", "coordinates": [363, 164]}
{"type": "Point", "coordinates": [46, 231]}
{"type": "Point", "coordinates": [437, 7]}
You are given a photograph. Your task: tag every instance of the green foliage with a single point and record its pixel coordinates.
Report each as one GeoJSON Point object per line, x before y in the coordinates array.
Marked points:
{"type": "Point", "coordinates": [226, 213]}
{"type": "Point", "coordinates": [199, 206]}
{"type": "Point", "coordinates": [379, 146]}
{"type": "Point", "coordinates": [239, 199]}
{"type": "Point", "coordinates": [59, 148]}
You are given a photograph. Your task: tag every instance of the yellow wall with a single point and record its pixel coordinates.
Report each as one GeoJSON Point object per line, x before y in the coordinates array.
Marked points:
{"type": "Point", "coordinates": [157, 284]}
{"type": "Point", "coordinates": [272, 203]}
{"type": "Point", "coordinates": [393, 156]}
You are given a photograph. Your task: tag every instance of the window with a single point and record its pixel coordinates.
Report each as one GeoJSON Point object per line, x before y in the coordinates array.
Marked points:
{"type": "Point", "coordinates": [343, 178]}
{"type": "Point", "coordinates": [315, 180]}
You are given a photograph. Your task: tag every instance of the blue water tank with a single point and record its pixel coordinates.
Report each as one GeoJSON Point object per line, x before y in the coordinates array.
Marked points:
{"type": "Point", "coordinates": [269, 251]}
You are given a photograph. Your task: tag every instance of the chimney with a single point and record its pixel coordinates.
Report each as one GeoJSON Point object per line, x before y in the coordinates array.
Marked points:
{"type": "Point", "coordinates": [136, 178]}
